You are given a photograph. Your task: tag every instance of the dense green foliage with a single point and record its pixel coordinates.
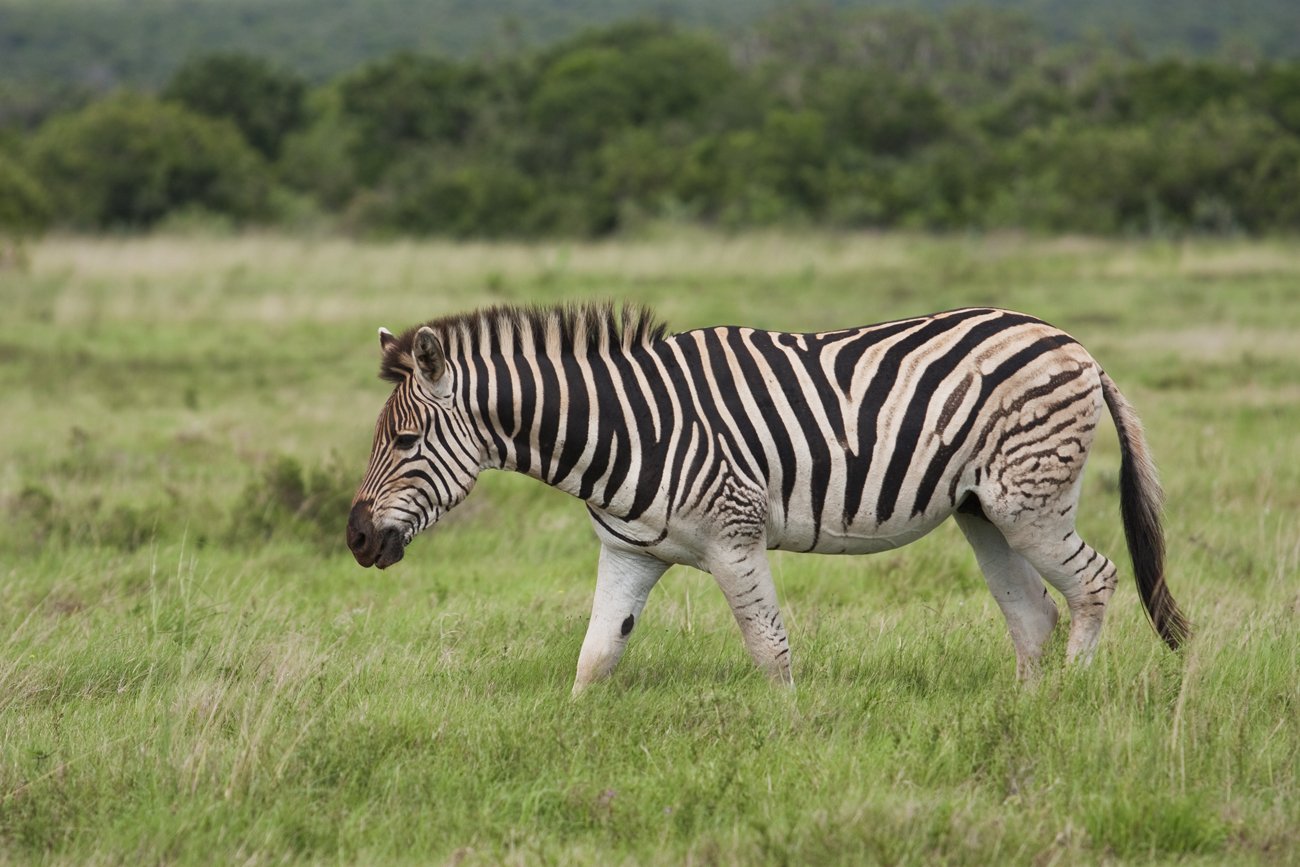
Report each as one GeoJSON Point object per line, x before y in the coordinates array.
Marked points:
{"type": "Point", "coordinates": [265, 103]}
{"type": "Point", "coordinates": [23, 206]}
{"type": "Point", "coordinates": [195, 671]}
{"type": "Point", "coordinates": [131, 160]}
{"type": "Point", "coordinates": [850, 119]}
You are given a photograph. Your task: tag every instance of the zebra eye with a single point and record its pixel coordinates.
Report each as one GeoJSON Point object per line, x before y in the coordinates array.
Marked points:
{"type": "Point", "coordinates": [406, 441]}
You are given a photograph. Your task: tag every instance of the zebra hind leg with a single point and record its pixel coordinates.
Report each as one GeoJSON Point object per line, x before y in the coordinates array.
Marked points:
{"type": "Point", "coordinates": [1084, 576]}
{"type": "Point", "coordinates": [1031, 494]}
{"type": "Point", "coordinates": [1028, 608]}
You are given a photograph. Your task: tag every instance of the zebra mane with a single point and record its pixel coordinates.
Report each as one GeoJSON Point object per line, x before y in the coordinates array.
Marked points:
{"type": "Point", "coordinates": [511, 329]}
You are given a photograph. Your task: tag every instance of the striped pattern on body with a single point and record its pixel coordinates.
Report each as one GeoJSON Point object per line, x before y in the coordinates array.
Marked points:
{"type": "Point", "coordinates": [710, 446]}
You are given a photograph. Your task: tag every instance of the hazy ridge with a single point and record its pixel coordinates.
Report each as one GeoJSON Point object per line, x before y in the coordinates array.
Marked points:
{"type": "Point", "coordinates": [102, 43]}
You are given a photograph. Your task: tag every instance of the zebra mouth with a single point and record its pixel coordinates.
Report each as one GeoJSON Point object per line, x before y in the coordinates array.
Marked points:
{"type": "Point", "coordinates": [392, 546]}
{"type": "Point", "coordinates": [371, 545]}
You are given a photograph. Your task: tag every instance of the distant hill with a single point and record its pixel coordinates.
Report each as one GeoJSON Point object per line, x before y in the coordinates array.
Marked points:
{"type": "Point", "coordinates": [102, 43]}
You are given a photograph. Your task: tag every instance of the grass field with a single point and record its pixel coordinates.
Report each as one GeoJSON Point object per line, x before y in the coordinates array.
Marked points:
{"type": "Point", "coordinates": [193, 669]}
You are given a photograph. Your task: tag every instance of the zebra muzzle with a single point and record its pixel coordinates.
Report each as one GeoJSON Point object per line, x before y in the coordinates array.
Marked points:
{"type": "Point", "coordinates": [371, 546]}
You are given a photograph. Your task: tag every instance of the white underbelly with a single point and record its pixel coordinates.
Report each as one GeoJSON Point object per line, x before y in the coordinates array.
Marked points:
{"type": "Point", "coordinates": [856, 540]}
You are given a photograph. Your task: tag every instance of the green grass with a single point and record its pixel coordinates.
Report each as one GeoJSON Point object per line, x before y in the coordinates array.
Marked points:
{"type": "Point", "coordinates": [193, 669]}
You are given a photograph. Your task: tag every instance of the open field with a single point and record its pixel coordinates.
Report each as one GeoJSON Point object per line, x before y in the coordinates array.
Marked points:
{"type": "Point", "coordinates": [193, 669]}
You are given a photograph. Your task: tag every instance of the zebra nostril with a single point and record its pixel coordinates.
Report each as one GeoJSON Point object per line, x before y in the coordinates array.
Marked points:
{"type": "Point", "coordinates": [359, 528]}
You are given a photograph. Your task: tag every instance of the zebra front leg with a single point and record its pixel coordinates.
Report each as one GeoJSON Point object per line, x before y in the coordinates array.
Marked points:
{"type": "Point", "coordinates": [623, 581]}
{"type": "Point", "coordinates": [746, 580]}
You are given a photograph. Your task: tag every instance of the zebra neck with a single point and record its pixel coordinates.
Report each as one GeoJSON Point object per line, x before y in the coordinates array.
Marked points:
{"type": "Point", "coordinates": [555, 417]}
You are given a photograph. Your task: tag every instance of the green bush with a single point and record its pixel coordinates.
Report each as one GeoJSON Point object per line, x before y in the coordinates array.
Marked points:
{"type": "Point", "coordinates": [638, 171]}
{"type": "Point", "coordinates": [1170, 88]}
{"type": "Point", "coordinates": [1270, 197]}
{"type": "Point", "coordinates": [583, 97]}
{"type": "Point", "coordinates": [1278, 95]}
{"type": "Point", "coordinates": [1221, 171]}
{"type": "Point", "coordinates": [288, 500]}
{"type": "Point", "coordinates": [431, 194]}
{"type": "Point", "coordinates": [24, 206]}
{"type": "Point", "coordinates": [880, 113]}
{"type": "Point", "coordinates": [318, 159]}
{"type": "Point", "coordinates": [633, 76]}
{"type": "Point", "coordinates": [404, 102]}
{"type": "Point", "coordinates": [130, 160]}
{"type": "Point", "coordinates": [945, 186]}
{"type": "Point", "coordinates": [264, 102]}
{"type": "Point", "coordinates": [761, 176]}
{"type": "Point", "coordinates": [1081, 178]}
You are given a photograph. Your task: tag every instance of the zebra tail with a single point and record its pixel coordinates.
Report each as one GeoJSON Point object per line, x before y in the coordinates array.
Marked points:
{"type": "Point", "coordinates": [1140, 500]}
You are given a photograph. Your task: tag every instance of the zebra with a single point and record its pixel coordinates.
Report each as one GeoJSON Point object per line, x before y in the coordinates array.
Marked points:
{"type": "Point", "coordinates": [710, 447]}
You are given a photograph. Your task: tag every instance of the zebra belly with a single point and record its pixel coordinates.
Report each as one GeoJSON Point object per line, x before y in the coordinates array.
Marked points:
{"type": "Point", "coordinates": [856, 539]}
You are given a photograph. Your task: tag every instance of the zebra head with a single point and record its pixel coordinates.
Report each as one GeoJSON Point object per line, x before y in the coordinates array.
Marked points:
{"type": "Point", "coordinates": [425, 457]}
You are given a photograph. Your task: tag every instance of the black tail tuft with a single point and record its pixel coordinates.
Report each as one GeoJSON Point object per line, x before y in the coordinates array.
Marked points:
{"type": "Point", "coordinates": [1140, 501]}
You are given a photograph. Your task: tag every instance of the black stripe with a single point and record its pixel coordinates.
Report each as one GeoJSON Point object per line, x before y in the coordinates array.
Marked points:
{"type": "Point", "coordinates": [911, 430]}
{"type": "Point", "coordinates": [698, 371]}
{"type": "Point", "coordinates": [417, 474]}
{"type": "Point", "coordinates": [846, 362]}
{"type": "Point", "coordinates": [449, 445]}
{"type": "Point", "coordinates": [426, 496]}
{"type": "Point", "coordinates": [1004, 371]}
{"type": "Point", "coordinates": [1088, 562]}
{"type": "Point", "coordinates": [1077, 551]}
{"type": "Point", "coordinates": [505, 409]}
{"type": "Point", "coordinates": [610, 425]}
{"type": "Point", "coordinates": [819, 451]}
{"type": "Point", "coordinates": [727, 386]}
{"type": "Point", "coordinates": [686, 425]}
{"type": "Point", "coordinates": [827, 395]}
{"type": "Point", "coordinates": [698, 456]}
{"type": "Point", "coordinates": [765, 404]}
{"type": "Point", "coordinates": [622, 460]}
{"type": "Point", "coordinates": [484, 407]}
{"type": "Point", "coordinates": [640, 543]}
{"type": "Point", "coordinates": [548, 415]}
{"type": "Point", "coordinates": [653, 458]}
{"type": "Point", "coordinates": [527, 414]}
{"type": "Point", "coordinates": [876, 398]}
{"type": "Point", "coordinates": [1055, 382]}
{"type": "Point", "coordinates": [468, 389]}
{"type": "Point", "coordinates": [577, 415]}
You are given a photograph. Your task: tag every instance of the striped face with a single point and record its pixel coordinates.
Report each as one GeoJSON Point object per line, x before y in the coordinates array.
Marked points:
{"type": "Point", "coordinates": [424, 460]}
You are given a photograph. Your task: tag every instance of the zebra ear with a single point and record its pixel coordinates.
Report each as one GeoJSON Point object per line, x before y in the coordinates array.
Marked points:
{"type": "Point", "coordinates": [429, 358]}
{"type": "Point", "coordinates": [386, 339]}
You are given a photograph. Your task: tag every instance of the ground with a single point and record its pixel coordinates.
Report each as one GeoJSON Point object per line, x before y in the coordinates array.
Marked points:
{"type": "Point", "coordinates": [194, 669]}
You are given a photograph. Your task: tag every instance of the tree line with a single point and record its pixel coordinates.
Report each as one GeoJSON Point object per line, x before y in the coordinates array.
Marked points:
{"type": "Point", "coordinates": [969, 120]}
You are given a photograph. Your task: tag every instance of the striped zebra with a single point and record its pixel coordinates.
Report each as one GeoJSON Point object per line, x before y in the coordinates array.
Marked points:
{"type": "Point", "coordinates": [709, 447]}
